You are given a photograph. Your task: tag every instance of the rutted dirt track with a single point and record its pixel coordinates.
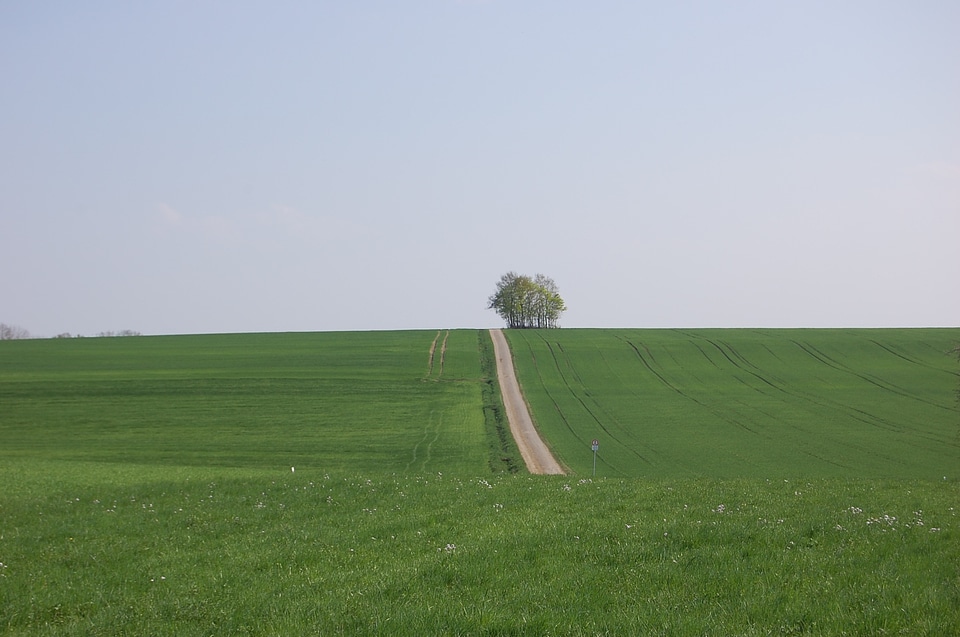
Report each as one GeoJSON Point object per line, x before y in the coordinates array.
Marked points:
{"type": "Point", "coordinates": [535, 453]}
{"type": "Point", "coordinates": [433, 350]}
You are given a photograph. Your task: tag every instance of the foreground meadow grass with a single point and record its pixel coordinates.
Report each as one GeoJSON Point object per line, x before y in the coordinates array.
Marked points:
{"type": "Point", "coordinates": [746, 403]}
{"type": "Point", "coordinates": [110, 549]}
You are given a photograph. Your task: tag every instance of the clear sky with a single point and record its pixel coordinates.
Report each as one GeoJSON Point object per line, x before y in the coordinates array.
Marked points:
{"type": "Point", "coordinates": [180, 167]}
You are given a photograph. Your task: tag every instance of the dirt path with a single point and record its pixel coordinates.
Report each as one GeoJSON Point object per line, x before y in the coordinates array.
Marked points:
{"type": "Point", "coordinates": [535, 453]}
{"type": "Point", "coordinates": [433, 349]}
{"type": "Point", "coordinates": [433, 353]}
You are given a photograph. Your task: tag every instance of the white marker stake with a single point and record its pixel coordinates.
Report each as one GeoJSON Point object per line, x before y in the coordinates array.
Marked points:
{"type": "Point", "coordinates": [595, 446]}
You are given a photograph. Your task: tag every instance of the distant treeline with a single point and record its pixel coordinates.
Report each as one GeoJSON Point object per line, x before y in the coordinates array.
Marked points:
{"type": "Point", "coordinates": [15, 333]}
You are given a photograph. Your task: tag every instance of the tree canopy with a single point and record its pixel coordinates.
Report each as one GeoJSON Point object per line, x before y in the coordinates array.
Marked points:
{"type": "Point", "coordinates": [524, 302]}
{"type": "Point", "coordinates": [12, 332]}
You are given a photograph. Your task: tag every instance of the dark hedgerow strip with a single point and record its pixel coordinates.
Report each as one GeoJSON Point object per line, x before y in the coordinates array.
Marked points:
{"type": "Point", "coordinates": [504, 454]}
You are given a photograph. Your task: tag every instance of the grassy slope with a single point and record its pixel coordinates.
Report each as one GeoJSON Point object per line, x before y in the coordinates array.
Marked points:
{"type": "Point", "coordinates": [358, 401]}
{"type": "Point", "coordinates": [148, 491]}
{"type": "Point", "coordinates": [742, 403]}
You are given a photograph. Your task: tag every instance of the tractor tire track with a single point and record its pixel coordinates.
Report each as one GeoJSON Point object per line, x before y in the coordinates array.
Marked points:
{"type": "Point", "coordinates": [912, 360]}
{"type": "Point", "coordinates": [780, 386]}
{"type": "Point", "coordinates": [861, 415]}
{"type": "Point", "coordinates": [426, 434]}
{"type": "Point", "coordinates": [583, 389]}
{"type": "Point", "coordinates": [743, 364]}
{"type": "Point", "coordinates": [649, 365]}
{"type": "Point", "coordinates": [443, 352]}
{"type": "Point", "coordinates": [827, 360]}
{"type": "Point", "coordinates": [719, 414]}
{"type": "Point", "coordinates": [857, 414]}
{"type": "Point", "coordinates": [433, 349]}
{"type": "Point", "coordinates": [435, 360]}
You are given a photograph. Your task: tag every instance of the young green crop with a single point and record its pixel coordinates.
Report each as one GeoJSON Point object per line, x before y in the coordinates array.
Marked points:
{"type": "Point", "coordinates": [741, 403]}
{"type": "Point", "coordinates": [357, 401]}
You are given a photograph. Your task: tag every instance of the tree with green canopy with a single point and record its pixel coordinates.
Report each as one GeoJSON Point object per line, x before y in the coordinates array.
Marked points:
{"type": "Point", "coordinates": [525, 302]}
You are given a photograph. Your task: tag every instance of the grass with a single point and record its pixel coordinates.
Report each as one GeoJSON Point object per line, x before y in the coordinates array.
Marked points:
{"type": "Point", "coordinates": [93, 549]}
{"type": "Point", "coordinates": [358, 401]}
{"type": "Point", "coordinates": [746, 403]}
{"type": "Point", "coordinates": [148, 490]}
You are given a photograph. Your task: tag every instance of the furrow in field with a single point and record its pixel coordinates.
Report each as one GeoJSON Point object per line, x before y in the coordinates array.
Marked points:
{"type": "Point", "coordinates": [547, 392]}
{"type": "Point", "coordinates": [416, 447]}
{"type": "Point", "coordinates": [840, 367]}
{"type": "Point", "coordinates": [576, 395]}
{"type": "Point", "coordinates": [708, 400]}
{"type": "Point", "coordinates": [786, 395]}
{"type": "Point", "coordinates": [779, 386]}
{"type": "Point", "coordinates": [775, 418]}
{"type": "Point", "coordinates": [429, 450]}
{"type": "Point", "coordinates": [736, 359]}
{"type": "Point", "coordinates": [429, 429]}
{"type": "Point", "coordinates": [882, 384]}
{"type": "Point", "coordinates": [663, 379]}
{"type": "Point", "coordinates": [742, 366]}
{"type": "Point", "coordinates": [566, 383]}
{"type": "Point", "coordinates": [739, 362]}
{"type": "Point", "coordinates": [650, 368]}
{"type": "Point", "coordinates": [900, 355]}
{"type": "Point", "coordinates": [705, 355]}
{"type": "Point", "coordinates": [862, 415]}
{"type": "Point", "coordinates": [853, 412]}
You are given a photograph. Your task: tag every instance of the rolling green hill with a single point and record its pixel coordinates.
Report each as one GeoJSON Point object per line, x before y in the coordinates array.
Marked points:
{"type": "Point", "coordinates": [746, 403]}
{"type": "Point", "coordinates": [148, 486]}
{"type": "Point", "coordinates": [386, 401]}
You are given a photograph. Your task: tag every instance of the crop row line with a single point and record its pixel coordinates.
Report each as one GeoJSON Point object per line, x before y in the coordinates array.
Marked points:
{"type": "Point", "coordinates": [597, 406]}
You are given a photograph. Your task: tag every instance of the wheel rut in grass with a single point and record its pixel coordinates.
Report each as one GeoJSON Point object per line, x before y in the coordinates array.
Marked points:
{"type": "Point", "coordinates": [581, 394]}
{"type": "Point", "coordinates": [535, 453]}
{"type": "Point", "coordinates": [433, 349]}
{"type": "Point", "coordinates": [433, 355]}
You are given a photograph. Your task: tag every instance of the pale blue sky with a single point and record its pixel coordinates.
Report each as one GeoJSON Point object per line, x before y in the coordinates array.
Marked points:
{"type": "Point", "coordinates": [178, 167]}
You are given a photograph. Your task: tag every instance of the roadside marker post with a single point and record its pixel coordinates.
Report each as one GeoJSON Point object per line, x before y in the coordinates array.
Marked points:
{"type": "Point", "coordinates": [595, 446]}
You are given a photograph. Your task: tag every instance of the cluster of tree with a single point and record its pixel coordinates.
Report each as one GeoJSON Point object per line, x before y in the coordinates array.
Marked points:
{"type": "Point", "coordinates": [102, 334]}
{"type": "Point", "coordinates": [12, 332]}
{"type": "Point", "coordinates": [525, 302]}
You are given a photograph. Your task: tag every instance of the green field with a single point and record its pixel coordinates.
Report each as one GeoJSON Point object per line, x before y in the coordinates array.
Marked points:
{"type": "Point", "coordinates": [92, 549]}
{"type": "Point", "coordinates": [746, 403]}
{"type": "Point", "coordinates": [148, 488]}
{"type": "Point", "coordinates": [355, 401]}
